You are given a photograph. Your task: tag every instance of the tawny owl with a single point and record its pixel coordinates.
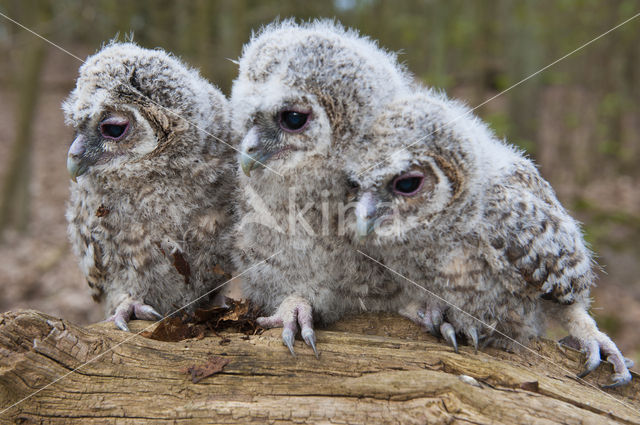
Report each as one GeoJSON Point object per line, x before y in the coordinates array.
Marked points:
{"type": "Point", "coordinates": [153, 171]}
{"type": "Point", "coordinates": [303, 93]}
{"type": "Point", "coordinates": [452, 209]}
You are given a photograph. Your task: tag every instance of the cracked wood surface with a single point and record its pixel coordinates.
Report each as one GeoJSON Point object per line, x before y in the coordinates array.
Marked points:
{"type": "Point", "coordinates": [372, 369]}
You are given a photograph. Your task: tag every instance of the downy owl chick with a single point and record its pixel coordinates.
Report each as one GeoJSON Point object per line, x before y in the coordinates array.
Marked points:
{"type": "Point", "coordinates": [453, 210]}
{"type": "Point", "coordinates": [303, 93]}
{"type": "Point", "coordinates": [150, 208]}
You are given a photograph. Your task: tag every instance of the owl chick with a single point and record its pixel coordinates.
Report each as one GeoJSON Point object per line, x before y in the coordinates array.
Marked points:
{"type": "Point", "coordinates": [453, 210]}
{"type": "Point", "coordinates": [150, 208]}
{"type": "Point", "coordinates": [303, 93]}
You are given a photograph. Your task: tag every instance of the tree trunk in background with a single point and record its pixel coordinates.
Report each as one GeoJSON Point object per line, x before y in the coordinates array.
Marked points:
{"type": "Point", "coordinates": [14, 205]}
{"type": "Point", "coordinates": [523, 59]}
{"type": "Point", "coordinates": [372, 369]}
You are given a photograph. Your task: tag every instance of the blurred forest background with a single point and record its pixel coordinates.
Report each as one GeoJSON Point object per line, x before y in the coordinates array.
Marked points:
{"type": "Point", "coordinates": [579, 119]}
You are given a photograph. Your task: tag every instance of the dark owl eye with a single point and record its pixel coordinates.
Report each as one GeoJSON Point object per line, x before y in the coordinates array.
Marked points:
{"type": "Point", "coordinates": [293, 121]}
{"type": "Point", "coordinates": [352, 185]}
{"type": "Point", "coordinates": [408, 184]}
{"type": "Point", "coordinates": [114, 128]}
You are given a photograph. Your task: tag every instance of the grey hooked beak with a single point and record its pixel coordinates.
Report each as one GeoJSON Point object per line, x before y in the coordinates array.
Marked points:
{"type": "Point", "coordinates": [366, 214]}
{"type": "Point", "coordinates": [248, 163]}
{"type": "Point", "coordinates": [76, 164]}
{"type": "Point", "coordinates": [253, 153]}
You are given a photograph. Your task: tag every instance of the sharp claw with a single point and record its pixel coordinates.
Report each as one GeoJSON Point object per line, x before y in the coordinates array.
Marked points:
{"type": "Point", "coordinates": [436, 319]}
{"type": "Point", "coordinates": [121, 323]}
{"type": "Point", "coordinates": [449, 335]}
{"type": "Point", "coordinates": [310, 338]}
{"type": "Point", "coordinates": [473, 335]}
{"type": "Point", "coordinates": [592, 351]}
{"type": "Point", "coordinates": [288, 338]}
{"type": "Point", "coordinates": [147, 312]}
{"type": "Point", "coordinates": [618, 380]}
{"type": "Point", "coordinates": [587, 370]}
{"type": "Point", "coordinates": [570, 341]}
{"type": "Point", "coordinates": [221, 301]}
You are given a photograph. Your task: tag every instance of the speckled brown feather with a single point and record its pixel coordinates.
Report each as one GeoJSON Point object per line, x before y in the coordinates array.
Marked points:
{"type": "Point", "coordinates": [151, 227]}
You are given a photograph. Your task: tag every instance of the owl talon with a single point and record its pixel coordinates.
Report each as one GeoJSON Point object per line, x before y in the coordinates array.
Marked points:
{"type": "Point", "coordinates": [436, 319]}
{"type": "Point", "coordinates": [449, 335]}
{"type": "Point", "coordinates": [294, 311]}
{"type": "Point", "coordinates": [619, 380]}
{"type": "Point", "coordinates": [592, 352]}
{"type": "Point", "coordinates": [429, 317]}
{"type": "Point", "coordinates": [309, 337]}
{"type": "Point", "coordinates": [288, 338]}
{"type": "Point", "coordinates": [146, 312]}
{"type": "Point", "coordinates": [128, 310]}
{"type": "Point", "coordinates": [473, 336]}
{"type": "Point", "coordinates": [121, 323]}
{"type": "Point", "coordinates": [221, 301]}
{"type": "Point", "coordinates": [595, 343]}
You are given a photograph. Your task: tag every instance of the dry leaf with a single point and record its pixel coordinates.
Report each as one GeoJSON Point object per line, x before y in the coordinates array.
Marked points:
{"type": "Point", "coordinates": [214, 365]}
{"type": "Point", "coordinates": [239, 316]}
{"type": "Point", "coordinates": [174, 329]}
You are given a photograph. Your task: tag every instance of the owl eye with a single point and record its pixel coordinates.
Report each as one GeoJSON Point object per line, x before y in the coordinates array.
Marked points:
{"type": "Point", "coordinates": [114, 128]}
{"type": "Point", "coordinates": [408, 184]}
{"type": "Point", "coordinates": [293, 121]}
{"type": "Point", "coordinates": [352, 185]}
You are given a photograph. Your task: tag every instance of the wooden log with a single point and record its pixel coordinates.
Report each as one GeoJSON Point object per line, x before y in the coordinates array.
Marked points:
{"type": "Point", "coordinates": [372, 369]}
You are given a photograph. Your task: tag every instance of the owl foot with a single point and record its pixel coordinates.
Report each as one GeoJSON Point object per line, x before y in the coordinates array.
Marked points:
{"type": "Point", "coordinates": [127, 310]}
{"type": "Point", "coordinates": [293, 311]}
{"type": "Point", "coordinates": [432, 319]}
{"type": "Point", "coordinates": [591, 341]}
{"type": "Point", "coordinates": [602, 343]}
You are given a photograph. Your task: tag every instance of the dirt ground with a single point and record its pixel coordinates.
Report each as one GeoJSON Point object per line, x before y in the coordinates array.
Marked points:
{"type": "Point", "coordinates": [38, 270]}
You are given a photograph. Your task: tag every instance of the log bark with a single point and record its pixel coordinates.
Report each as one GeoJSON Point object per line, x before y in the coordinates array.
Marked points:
{"type": "Point", "coordinates": [372, 369]}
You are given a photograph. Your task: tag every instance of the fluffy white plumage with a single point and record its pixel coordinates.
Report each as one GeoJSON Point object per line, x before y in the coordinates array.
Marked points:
{"type": "Point", "coordinates": [151, 208]}
{"type": "Point", "coordinates": [304, 93]}
{"type": "Point", "coordinates": [469, 218]}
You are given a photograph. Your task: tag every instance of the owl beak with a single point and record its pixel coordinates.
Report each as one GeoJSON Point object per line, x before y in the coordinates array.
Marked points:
{"type": "Point", "coordinates": [254, 153]}
{"type": "Point", "coordinates": [366, 214]}
{"type": "Point", "coordinates": [75, 158]}
{"type": "Point", "coordinates": [248, 163]}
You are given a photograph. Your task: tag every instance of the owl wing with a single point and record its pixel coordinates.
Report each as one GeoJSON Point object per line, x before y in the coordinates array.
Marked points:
{"type": "Point", "coordinates": [537, 238]}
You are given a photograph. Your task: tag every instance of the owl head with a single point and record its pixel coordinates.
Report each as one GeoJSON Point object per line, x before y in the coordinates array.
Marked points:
{"type": "Point", "coordinates": [304, 90]}
{"type": "Point", "coordinates": [133, 105]}
{"type": "Point", "coordinates": [415, 177]}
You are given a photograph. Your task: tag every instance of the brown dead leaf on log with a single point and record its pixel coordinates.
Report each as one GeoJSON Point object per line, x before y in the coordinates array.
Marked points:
{"type": "Point", "coordinates": [213, 365]}
{"type": "Point", "coordinates": [239, 316]}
